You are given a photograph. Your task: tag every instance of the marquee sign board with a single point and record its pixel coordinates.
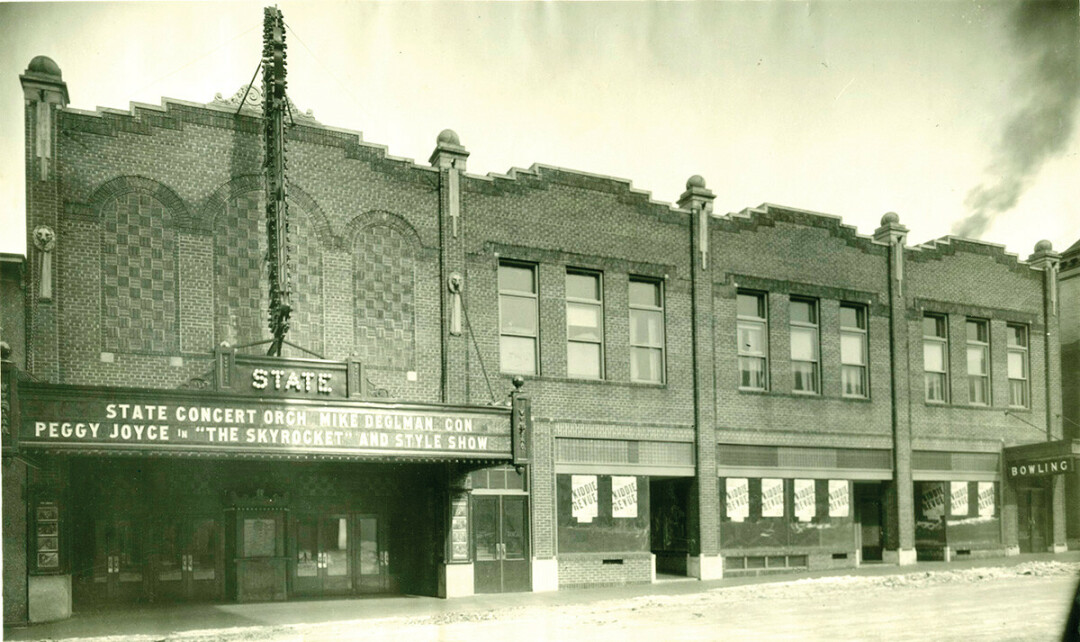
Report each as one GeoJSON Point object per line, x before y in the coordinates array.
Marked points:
{"type": "Point", "coordinates": [1043, 468]}
{"type": "Point", "coordinates": [261, 376]}
{"type": "Point", "coordinates": [1041, 459]}
{"type": "Point", "coordinates": [71, 417]}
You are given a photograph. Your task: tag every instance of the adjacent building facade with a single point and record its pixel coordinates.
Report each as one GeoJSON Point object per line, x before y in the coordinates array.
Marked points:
{"type": "Point", "coordinates": [710, 395]}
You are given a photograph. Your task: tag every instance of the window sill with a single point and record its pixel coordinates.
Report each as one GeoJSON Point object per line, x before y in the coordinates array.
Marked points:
{"type": "Point", "coordinates": [586, 382]}
{"type": "Point", "coordinates": [965, 406]}
{"type": "Point", "coordinates": [802, 395]}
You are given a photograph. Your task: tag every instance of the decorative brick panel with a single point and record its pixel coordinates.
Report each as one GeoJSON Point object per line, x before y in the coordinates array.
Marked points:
{"type": "Point", "coordinates": [384, 282]}
{"type": "Point", "coordinates": [241, 289]}
{"type": "Point", "coordinates": [138, 266]}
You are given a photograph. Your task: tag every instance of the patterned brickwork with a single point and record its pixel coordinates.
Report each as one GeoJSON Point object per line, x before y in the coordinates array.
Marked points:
{"type": "Point", "coordinates": [384, 278]}
{"type": "Point", "coordinates": [240, 275]}
{"type": "Point", "coordinates": [241, 297]}
{"type": "Point", "coordinates": [138, 266]}
{"type": "Point", "coordinates": [367, 282]}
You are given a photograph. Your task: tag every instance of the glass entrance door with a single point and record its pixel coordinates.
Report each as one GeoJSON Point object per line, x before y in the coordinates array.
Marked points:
{"type": "Point", "coordinates": [372, 557]}
{"type": "Point", "coordinates": [188, 559]}
{"type": "Point", "coordinates": [1031, 520]}
{"type": "Point", "coordinates": [119, 562]}
{"type": "Point", "coordinates": [870, 529]}
{"type": "Point", "coordinates": [321, 555]}
{"type": "Point", "coordinates": [500, 542]}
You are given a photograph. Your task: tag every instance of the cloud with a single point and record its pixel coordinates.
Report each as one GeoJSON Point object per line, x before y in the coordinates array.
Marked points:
{"type": "Point", "coordinates": [1046, 39]}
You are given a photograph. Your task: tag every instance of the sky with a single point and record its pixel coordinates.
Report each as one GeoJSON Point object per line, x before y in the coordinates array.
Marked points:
{"type": "Point", "coordinates": [959, 116]}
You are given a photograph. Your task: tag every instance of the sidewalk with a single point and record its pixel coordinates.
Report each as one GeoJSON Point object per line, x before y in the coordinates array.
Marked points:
{"type": "Point", "coordinates": [161, 620]}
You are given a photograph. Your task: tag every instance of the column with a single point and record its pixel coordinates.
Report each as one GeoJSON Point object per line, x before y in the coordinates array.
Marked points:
{"type": "Point", "coordinates": [899, 501]}
{"type": "Point", "coordinates": [44, 94]}
{"type": "Point", "coordinates": [1046, 259]}
{"type": "Point", "coordinates": [703, 561]}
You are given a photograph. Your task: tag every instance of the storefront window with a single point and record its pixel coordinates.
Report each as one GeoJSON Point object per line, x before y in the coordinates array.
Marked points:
{"type": "Point", "coordinates": [603, 513]}
{"type": "Point", "coordinates": [775, 513]}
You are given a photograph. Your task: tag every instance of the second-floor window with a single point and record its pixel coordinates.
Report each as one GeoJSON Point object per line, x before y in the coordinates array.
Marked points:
{"type": "Point", "coordinates": [646, 331]}
{"type": "Point", "coordinates": [753, 337]}
{"type": "Point", "coordinates": [518, 319]}
{"type": "Point", "coordinates": [1018, 366]}
{"type": "Point", "coordinates": [936, 357]}
{"type": "Point", "coordinates": [853, 350]}
{"type": "Point", "coordinates": [584, 325]}
{"type": "Point", "coordinates": [978, 361]}
{"type": "Point", "coordinates": [804, 345]}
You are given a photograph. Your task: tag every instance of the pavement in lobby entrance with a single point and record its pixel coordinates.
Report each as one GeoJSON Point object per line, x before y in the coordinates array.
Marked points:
{"type": "Point", "coordinates": [162, 620]}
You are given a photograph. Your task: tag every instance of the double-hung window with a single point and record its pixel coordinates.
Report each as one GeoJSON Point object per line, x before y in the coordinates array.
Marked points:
{"type": "Point", "coordinates": [1018, 366]}
{"type": "Point", "coordinates": [853, 350]}
{"type": "Point", "coordinates": [646, 331]}
{"type": "Point", "coordinates": [978, 361]}
{"type": "Point", "coordinates": [584, 325]}
{"type": "Point", "coordinates": [518, 318]}
{"type": "Point", "coordinates": [753, 337]}
{"type": "Point", "coordinates": [804, 345]}
{"type": "Point", "coordinates": [936, 357]}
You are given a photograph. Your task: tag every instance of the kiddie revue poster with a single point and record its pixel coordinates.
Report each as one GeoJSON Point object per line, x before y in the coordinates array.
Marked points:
{"type": "Point", "coordinates": [583, 494]}
{"type": "Point", "coordinates": [738, 498]}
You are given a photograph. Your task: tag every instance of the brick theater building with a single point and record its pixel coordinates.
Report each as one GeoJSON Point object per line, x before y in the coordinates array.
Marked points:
{"type": "Point", "coordinates": [710, 395]}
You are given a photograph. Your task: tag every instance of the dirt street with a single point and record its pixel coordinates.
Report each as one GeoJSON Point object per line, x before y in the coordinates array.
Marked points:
{"type": "Point", "coordinates": [1024, 602]}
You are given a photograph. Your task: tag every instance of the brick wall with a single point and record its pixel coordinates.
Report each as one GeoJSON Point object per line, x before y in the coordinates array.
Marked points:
{"type": "Point", "coordinates": [203, 238]}
{"type": "Point", "coordinates": [782, 253]}
{"type": "Point", "coordinates": [971, 280]}
{"type": "Point", "coordinates": [581, 570]}
{"type": "Point", "coordinates": [159, 260]}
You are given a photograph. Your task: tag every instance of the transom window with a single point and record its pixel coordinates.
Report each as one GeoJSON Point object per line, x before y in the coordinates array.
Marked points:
{"type": "Point", "coordinates": [518, 319]}
{"type": "Point", "coordinates": [646, 331]}
{"type": "Point", "coordinates": [1018, 366]}
{"type": "Point", "coordinates": [584, 325]}
{"type": "Point", "coordinates": [753, 338]}
{"type": "Point", "coordinates": [804, 345]}
{"type": "Point", "coordinates": [936, 357]}
{"type": "Point", "coordinates": [978, 361]}
{"type": "Point", "coordinates": [853, 350]}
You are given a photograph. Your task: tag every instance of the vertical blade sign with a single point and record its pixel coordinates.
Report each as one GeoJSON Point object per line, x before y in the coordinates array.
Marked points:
{"type": "Point", "coordinates": [277, 213]}
{"type": "Point", "coordinates": [520, 429]}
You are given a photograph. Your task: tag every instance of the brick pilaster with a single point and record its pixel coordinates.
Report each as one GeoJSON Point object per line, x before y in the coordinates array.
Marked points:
{"type": "Point", "coordinates": [705, 499]}
{"type": "Point", "coordinates": [449, 157]}
{"type": "Point", "coordinates": [44, 93]}
{"type": "Point", "coordinates": [900, 520]}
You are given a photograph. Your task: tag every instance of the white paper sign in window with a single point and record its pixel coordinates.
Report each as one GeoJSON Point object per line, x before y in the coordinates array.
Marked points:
{"type": "Point", "coordinates": [624, 497]}
{"type": "Point", "coordinates": [986, 499]}
{"type": "Point", "coordinates": [805, 500]}
{"type": "Point", "coordinates": [583, 496]}
{"type": "Point", "coordinates": [772, 497]}
{"type": "Point", "coordinates": [839, 498]}
{"type": "Point", "coordinates": [933, 500]}
{"type": "Point", "coordinates": [959, 493]}
{"type": "Point", "coordinates": [738, 499]}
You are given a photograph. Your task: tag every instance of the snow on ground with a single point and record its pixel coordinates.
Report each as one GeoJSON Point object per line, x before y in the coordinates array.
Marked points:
{"type": "Point", "coordinates": [1027, 601]}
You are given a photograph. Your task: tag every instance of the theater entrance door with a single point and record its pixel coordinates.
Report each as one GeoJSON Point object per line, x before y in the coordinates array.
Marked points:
{"type": "Point", "coordinates": [321, 564]}
{"type": "Point", "coordinates": [500, 542]}
{"type": "Point", "coordinates": [188, 558]}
